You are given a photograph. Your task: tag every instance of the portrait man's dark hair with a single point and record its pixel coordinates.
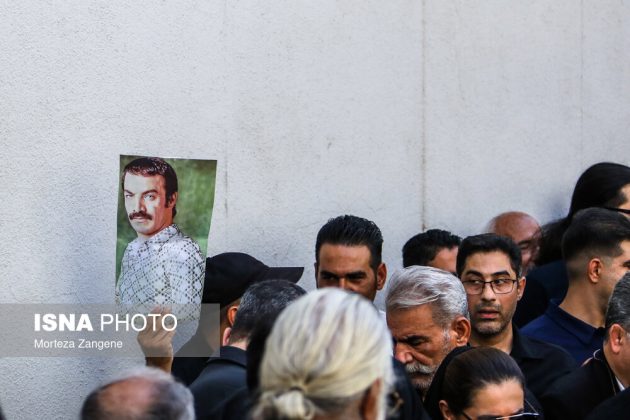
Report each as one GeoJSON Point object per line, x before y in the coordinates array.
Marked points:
{"type": "Point", "coordinates": [352, 231]}
{"type": "Point", "coordinates": [151, 166]}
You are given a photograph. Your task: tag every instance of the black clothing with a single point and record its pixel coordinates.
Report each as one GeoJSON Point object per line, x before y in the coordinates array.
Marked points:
{"type": "Point", "coordinates": [221, 377]}
{"type": "Point", "coordinates": [409, 403]}
{"type": "Point", "coordinates": [575, 395]}
{"type": "Point", "coordinates": [434, 393]}
{"type": "Point", "coordinates": [236, 406]}
{"type": "Point", "coordinates": [541, 363]}
{"type": "Point", "coordinates": [549, 281]}
{"type": "Point", "coordinates": [617, 407]}
{"type": "Point", "coordinates": [187, 369]}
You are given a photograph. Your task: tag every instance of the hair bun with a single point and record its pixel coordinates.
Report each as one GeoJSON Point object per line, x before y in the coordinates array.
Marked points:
{"type": "Point", "coordinates": [290, 403]}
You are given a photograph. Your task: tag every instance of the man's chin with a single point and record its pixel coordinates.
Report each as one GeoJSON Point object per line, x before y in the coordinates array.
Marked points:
{"type": "Point", "coordinates": [421, 382]}
{"type": "Point", "coordinates": [488, 329]}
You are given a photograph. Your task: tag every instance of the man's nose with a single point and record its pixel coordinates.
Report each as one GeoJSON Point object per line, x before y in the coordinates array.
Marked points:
{"type": "Point", "coordinates": [402, 354]}
{"type": "Point", "coordinates": [487, 293]}
{"type": "Point", "coordinates": [344, 283]}
{"type": "Point", "coordinates": [139, 204]}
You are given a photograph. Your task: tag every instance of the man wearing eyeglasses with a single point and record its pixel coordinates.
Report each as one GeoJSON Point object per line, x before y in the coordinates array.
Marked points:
{"type": "Point", "coordinates": [605, 374]}
{"type": "Point", "coordinates": [489, 267]}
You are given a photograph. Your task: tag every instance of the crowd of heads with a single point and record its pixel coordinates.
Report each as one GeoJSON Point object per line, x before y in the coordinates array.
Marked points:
{"type": "Point", "coordinates": [448, 318]}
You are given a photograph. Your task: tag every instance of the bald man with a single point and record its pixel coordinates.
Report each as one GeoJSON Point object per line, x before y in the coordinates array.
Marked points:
{"type": "Point", "coordinates": [140, 394]}
{"type": "Point", "coordinates": [523, 229]}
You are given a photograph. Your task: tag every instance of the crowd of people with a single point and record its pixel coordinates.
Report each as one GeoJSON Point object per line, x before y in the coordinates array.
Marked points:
{"type": "Point", "coordinates": [519, 321]}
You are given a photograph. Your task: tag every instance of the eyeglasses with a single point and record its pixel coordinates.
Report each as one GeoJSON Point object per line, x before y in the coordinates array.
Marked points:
{"type": "Point", "coordinates": [498, 286]}
{"type": "Point", "coordinates": [531, 416]}
{"type": "Point", "coordinates": [624, 211]}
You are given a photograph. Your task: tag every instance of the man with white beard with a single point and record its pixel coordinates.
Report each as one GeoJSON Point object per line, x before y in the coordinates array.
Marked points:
{"type": "Point", "coordinates": [427, 314]}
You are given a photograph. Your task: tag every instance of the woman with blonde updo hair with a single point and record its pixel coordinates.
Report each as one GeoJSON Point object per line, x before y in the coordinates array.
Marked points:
{"type": "Point", "coordinates": [328, 357]}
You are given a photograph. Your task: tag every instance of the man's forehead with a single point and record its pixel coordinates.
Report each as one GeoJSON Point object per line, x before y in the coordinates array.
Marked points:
{"type": "Point", "coordinates": [488, 263]}
{"type": "Point", "coordinates": [344, 254]}
{"type": "Point", "coordinates": [417, 320]}
{"type": "Point", "coordinates": [141, 182]}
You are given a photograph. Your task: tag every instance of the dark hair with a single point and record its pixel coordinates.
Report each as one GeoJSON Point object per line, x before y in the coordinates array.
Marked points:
{"type": "Point", "coordinates": [618, 311]}
{"type": "Point", "coordinates": [422, 248]}
{"type": "Point", "coordinates": [489, 242]}
{"type": "Point", "coordinates": [263, 300]}
{"type": "Point", "coordinates": [352, 231]}
{"type": "Point", "coordinates": [256, 349]}
{"type": "Point", "coordinates": [599, 186]}
{"type": "Point", "coordinates": [470, 371]}
{"type": "Point", "coordinates": [597, 232]}
{"type": "Point", "coordinates": [151, 166]}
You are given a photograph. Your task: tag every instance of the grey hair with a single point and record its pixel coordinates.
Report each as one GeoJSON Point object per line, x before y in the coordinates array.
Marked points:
{"type": "Point", "coordinates": [171, 399]}
{"type": "Point", "coordinates": [618, 311]}
{"type": "Point", "coordinates": [324, 351]}
{"type": "Point", "coordinates": [418, 285]}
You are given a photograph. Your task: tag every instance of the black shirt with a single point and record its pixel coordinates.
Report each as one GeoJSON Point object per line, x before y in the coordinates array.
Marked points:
{"type": "Point", "coordinates": [541, 363]}
{"type": "Point", "coordinates": [221, 377]}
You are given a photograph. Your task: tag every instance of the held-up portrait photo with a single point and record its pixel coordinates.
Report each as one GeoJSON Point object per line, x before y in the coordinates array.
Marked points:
{"type": "Point", "coordinates": [164, 213]}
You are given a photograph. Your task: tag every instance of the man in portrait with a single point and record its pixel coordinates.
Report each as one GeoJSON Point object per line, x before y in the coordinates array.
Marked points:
{"type": "Point", "coordinates": [162, 266]}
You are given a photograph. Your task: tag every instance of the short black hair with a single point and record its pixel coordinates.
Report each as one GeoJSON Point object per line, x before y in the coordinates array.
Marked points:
{"type": "Point", "coordinates": [263, 300]}
{"type": "Point", "coordinates": [423, 247]}
{"type": "Point", "coordinates": [472, 370]}
{"type": "Point", "coordinates": [596, 232]}
{"type": "Point", "coordinates": [489, 242]}
{"type": "Point", "coordinates": [350, 230]}
{"type": "Point", "coordinates": [151, 166]}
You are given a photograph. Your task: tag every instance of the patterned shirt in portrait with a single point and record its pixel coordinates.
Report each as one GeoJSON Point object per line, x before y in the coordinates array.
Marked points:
{"type": "Point", "coordinates": [167, 268]}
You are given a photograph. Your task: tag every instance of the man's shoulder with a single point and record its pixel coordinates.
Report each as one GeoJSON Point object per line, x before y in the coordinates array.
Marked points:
{"type": "Point", "coordinates": [228, 370]}
{"type": "Point", "coordinates": [181, 245]}
{"type": "Point", "coordinates": [575, 394]}
{"type": "Point", "coordinates": [582, 380]}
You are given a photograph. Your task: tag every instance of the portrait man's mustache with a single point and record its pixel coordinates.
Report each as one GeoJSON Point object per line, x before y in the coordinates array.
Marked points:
{"type": "Point", "coordinates": [140, 215]}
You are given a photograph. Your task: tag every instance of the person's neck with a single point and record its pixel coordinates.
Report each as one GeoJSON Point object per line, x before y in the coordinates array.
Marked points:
{"type": "Point", "coordinates": [582, 302]}
{"type": "Point", "coordinates": [612, 362]}
{"type": "Point", "coordinates": [241, 344]}
{"type": "Point", "coordinates": [501, 340]}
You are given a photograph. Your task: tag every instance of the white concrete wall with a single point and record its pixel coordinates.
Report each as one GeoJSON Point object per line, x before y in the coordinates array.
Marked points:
{"type": "Point", "coordinates": [411, 113]}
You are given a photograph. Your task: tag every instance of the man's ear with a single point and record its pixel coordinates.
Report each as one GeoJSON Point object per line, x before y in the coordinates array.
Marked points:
{"type": "Point", "coordinates": [369, 405]}
{"type": "Point", "coordinates": [231, 314]}
{"type": "Point", "coordinates": [461, 327]}
{"type": "Point", "coordinates": [381, 276]}
{"type": "Point", "coordinates": [446, 412]}
{"type": "Point", "coordinates": [594, 269]}
{"type": "Point", "coordinates": [172, 200]}
{"type": "Point", "coordinates": [225, 340]}
{"type": "Point", "coordinates": [522, 282]}
{"type": "Point", "coordinates": [316, 266]}
{"type": "Point", "coordinates": [617, 338]}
